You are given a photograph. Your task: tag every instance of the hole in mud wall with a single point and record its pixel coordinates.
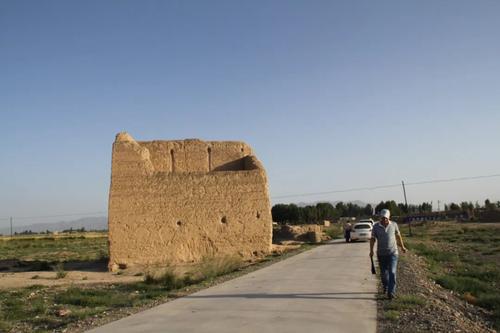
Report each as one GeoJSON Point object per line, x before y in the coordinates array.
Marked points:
{"type": "Point", "coordinates": [179, 223]}
{"type": "Point", "coordinates": [242, 149]}
{"type": "Point", "coordinates": [257, 215]}
{"type": "Point", "coordinates": [172, 160]}
{"type": "Point", "coordinates": [209, 159]}
{"type": "Point", "coordinates": [223, 220]}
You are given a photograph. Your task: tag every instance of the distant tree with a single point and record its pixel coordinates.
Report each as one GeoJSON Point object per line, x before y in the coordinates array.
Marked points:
{"type": "Point", "coordinates": [368, 210]}
{"type": "Point", "coordinates": [488, 205]}
{"type": "Point", "coordinates": [425, 207]}
{"type": "Point", "coordinates": [403, 208]}
{"type": "Point", "coordinates": [391, 205]}
{"type": "Point", "coordinates": [341, 208]}
{"type": "Point", "coordinates": [325, 211]}
{"type": "Point", "coordinates": [310, 214]}
{"type": "Point", "coordinates": [284, 213]}
{"type": "Point", "coordinates": [454, 206]}
{"type": "Point", "coordinates": [380, 206]}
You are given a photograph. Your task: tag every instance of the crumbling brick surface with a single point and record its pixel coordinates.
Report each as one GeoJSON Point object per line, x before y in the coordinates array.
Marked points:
{"type": "Point", "coordinates": [177, 202]}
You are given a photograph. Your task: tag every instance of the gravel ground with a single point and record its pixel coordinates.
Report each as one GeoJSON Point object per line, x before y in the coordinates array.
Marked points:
{"type": "Point", "coordinates": [441, 311]}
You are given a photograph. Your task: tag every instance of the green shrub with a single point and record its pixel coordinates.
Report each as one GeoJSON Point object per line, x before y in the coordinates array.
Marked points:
{"type": "Point", "coordinates": [463, 284]}
{"type": "Point", "coordinates": [391, 315]}
{"type": "Point", "coordinates": [434, 254]}
{"type": "Point", "coordinates": [405, 302]}
{"type": "Point", "coordinates": [59, 269]}
{"type": "Point", "coordinates": [93, 298]}
{"type": "Point", "coordinates": [489, 301]}
{"type": "Point", "coordinates": [214, 266]}
{"type": "Point", "coordinates": [167, 278]}
{"type": "Point", "coordinates": [335, 232]}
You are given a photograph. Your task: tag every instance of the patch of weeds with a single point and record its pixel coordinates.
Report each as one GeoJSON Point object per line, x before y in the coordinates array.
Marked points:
{"type": "Point", "coordinates": [463, 284]}
{"type": "Point", "coordinates": [404, 302]}
{"type": "Point", "coordinates": [35, 277]}
{"type": "Point", "coordinates": [212, 267]}
{"type": "Point", "coordinates": [335, 232]}
{"type": "Point", "coordinates": [434, 254]}
{"type": "Point", "coordinates": [488, 274]}
{"type": "Point", "coordinates": [391, 315]}
{"type": "Point", "coordinates": [167, 277]}
{"type": "Point", "coordinates": [47, 322]}
{"type": "Point", "coordinates": [489, 301]}
{"type": "Point", "coordinates": [59, 269]}
{"type": "Point", "coordinates": [93, 298]}
{"type": "Point", "coordinates": [4, 326]}
{"type": "Point", "coordinates": [82, 313]}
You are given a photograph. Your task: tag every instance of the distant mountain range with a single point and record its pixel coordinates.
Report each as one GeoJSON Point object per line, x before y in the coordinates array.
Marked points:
{"type": "Point", "coordinates": [89, 223]}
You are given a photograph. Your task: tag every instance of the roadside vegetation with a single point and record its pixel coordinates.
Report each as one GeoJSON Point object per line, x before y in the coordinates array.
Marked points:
{"type": "Point", "coordinates": [51, 248]}
{"type": "Point", "coordinates": [335, 231]}
{"type": "Point", "coordinates": [402, 303]}
{"type": "Point", "coordinates": [74, 308]}
{"type": "Point", "coordinates": [462, 257]}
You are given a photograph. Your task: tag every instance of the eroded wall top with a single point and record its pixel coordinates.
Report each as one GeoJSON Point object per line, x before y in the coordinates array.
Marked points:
{"type": "Point", "coordinates": [180, 156]}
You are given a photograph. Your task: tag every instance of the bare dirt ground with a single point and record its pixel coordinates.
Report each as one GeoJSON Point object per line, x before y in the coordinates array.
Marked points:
{"type": "Point", "coordinates": [49, 279]}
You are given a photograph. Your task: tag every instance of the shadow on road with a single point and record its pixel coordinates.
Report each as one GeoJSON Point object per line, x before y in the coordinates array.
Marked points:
{"type": "Point", "coordinates": [345, 295]}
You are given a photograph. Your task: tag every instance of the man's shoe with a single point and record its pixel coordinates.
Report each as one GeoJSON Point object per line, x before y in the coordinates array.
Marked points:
{"type": "Point", "coordinates": [391, 296]}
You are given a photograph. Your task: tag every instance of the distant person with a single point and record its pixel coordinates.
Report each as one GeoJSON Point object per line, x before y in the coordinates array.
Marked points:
{"type": "Point", "coordinates": [386, 234]}
{"type": "Point", "coordinates": [347, 232]}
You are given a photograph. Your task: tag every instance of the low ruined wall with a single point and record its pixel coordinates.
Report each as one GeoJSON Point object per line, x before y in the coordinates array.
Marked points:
{"type": "Point", "coordinates": [180, 201]}
{"type": "Point", "coordinates": [311, 233]}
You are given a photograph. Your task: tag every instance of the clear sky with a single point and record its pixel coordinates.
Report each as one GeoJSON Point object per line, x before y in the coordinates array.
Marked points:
{"type": "Point", "coordinates": [330, 94]}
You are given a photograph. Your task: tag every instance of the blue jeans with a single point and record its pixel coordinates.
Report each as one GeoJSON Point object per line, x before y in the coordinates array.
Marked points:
{"type": "Point", "coordinates": [388, 265]}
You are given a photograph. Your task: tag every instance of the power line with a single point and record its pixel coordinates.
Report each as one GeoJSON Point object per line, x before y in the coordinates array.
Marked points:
{"type": "Point", "coordinates": [355, 189]}
{"type": "Point", "coordinates": [50, 216]}
{"type": "Point", "coordinates": [371, 188]}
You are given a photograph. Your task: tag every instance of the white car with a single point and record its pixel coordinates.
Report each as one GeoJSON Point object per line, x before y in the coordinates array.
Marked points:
{"type": "Point", "coordinates": [361, 231]}
{"type": "Point", "coordinates": [367, 220]}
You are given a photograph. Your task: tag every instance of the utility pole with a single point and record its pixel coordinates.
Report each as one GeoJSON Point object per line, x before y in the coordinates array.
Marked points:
{"type": "Point", "coordinates": [11, 227]}
{"type": "Point", "coordinates": [439, 205]}
{"type": "Point", "coordinates": [406, 205]}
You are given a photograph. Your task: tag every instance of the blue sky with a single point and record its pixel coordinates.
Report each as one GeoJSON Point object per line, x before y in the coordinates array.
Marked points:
{"type": "Point", "coordinates": [330, 94]}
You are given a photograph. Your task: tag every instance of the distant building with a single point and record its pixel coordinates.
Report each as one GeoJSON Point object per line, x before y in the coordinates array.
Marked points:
{"type": "Point", "coordinates": [438, 216]}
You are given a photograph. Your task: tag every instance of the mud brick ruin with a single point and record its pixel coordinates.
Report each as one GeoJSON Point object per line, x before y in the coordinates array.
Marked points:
{"type": "Point", "coordinates": [174, 202]}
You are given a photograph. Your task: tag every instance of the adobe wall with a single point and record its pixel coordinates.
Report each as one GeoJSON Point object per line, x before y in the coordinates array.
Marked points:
{"type": "Point", "coordinates": [179, 201]}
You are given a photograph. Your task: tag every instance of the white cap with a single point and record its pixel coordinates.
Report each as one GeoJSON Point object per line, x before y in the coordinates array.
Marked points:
{"type": "Point", "coordinates": [385, 213]}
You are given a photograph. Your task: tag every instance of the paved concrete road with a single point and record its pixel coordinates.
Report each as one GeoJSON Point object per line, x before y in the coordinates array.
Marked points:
{"type": "Point", "coordinates": [327, 289]}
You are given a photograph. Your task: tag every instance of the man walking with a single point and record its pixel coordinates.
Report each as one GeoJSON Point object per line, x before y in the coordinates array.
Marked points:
{"type": "Point", "coordinates": [386, 234]}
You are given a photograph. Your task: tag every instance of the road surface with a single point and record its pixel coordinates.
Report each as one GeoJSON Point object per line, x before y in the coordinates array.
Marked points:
{"type": "Point", "coordinates": [327, 289]}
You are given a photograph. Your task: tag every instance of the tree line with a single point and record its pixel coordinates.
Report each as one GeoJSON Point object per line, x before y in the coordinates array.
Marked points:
{"type": "Point", "coordinates": [293, 214]}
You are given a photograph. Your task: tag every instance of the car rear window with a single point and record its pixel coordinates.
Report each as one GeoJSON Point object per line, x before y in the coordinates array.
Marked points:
{"type": "Point", "coordinates": [362, 226]}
